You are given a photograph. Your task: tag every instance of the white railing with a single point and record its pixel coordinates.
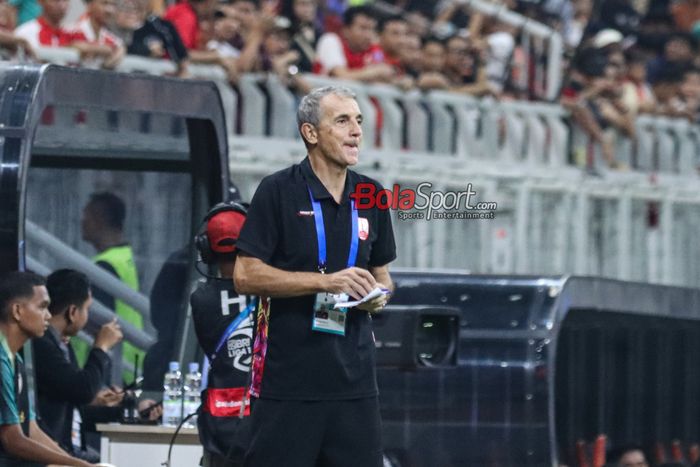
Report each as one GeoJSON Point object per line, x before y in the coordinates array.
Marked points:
{"type": "Point", "coordinates": [552, 218]}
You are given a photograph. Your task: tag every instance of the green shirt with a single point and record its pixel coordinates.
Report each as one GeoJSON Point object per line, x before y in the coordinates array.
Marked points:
{"type": "Point", "coordinates": [10, 413]}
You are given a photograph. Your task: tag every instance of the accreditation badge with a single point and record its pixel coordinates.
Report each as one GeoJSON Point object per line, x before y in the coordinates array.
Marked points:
{"type": "Point", "coordinates": [326, 318]}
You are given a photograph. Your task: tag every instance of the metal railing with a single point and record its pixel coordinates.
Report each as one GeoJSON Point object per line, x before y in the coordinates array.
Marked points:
{"type": "Point", "coordinates": [552, 218]}
{"type": "Point", "coordinates": [99, 315]}
{"type": "Point", "coordinates": [101, 278]}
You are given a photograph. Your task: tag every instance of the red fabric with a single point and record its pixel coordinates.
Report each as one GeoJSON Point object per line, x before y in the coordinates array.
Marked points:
{"type": "Point", "coordinates": [50, 36]}
{"type": "Point", "coordinates": [183, 16]}
{"type": "Point", "coordinates": [226, 402]}
{"type": "Point", "coordinates": [394, 62]}
{"type": "Point", "coordinates": [357, 60]}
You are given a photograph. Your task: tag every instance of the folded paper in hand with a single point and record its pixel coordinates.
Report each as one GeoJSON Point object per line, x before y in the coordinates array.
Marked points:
{"type": "Point", "coordinates": [377, 292]}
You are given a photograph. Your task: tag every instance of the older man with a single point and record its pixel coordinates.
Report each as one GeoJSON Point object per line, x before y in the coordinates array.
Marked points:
{"type": "Point", "coordinates": [307, 246]}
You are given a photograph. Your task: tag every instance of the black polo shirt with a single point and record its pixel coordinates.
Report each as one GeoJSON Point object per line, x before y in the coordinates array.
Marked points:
{"type": "Point", "coordinates": [302, 364]}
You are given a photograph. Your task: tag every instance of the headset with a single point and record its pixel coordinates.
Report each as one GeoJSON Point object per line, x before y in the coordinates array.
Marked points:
{"type": "Point", "coordinates": [201, 240]}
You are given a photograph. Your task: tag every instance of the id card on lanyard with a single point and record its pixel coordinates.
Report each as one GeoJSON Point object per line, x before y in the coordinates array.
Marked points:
{"type": "Point", "coordinates": [325, 317]}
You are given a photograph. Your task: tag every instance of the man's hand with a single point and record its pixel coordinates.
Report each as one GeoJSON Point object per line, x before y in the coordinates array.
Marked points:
{"type": "Point", "coordinates": [376, 304]}
{"type": "Point", "coordinates": [113, 59]}
{"type": "Point", "coordinates": [108, 397]}
{"type": "Point", "coordinates": [110, 334]}
{"type": "Point", "coordinates": [356, 282]}
{"type": "Point", "coordinates": [155, 411]}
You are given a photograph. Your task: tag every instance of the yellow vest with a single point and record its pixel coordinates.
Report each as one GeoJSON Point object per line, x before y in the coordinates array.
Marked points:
{"type": "Point", "coordinates": [121, 259]}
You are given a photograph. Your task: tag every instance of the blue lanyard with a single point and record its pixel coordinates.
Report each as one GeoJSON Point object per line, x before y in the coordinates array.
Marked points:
{"type": "Point", "coordinates": [233, 326]}
{"type": "Point", "coordinates": [321, 234]}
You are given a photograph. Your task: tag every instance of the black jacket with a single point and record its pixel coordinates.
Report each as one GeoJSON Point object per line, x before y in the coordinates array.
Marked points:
{"type": "Point", "coordinates": [62, 386]}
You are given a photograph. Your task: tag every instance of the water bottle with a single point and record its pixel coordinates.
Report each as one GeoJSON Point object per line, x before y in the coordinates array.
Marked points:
{"type": "Point", "coordinates": [193, 388]}
{"type": "Point", "coordinates": [172, 396]}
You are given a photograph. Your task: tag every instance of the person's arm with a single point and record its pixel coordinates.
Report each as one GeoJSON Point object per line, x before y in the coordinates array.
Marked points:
{"type": "Point", "coordinates": [369, 73]}
{"type": "Point", "coordinates": [17, 445]}
{"type": "Point", "coordinates": [38, 435]}
{"type": "Point", "coordinates": [13, 42]}
{"type": "Point", "coordinates": [66, 382]}
{"type": "Point", "coordinates": [115, 56]}
{"type": "Point", "coordinates": [250, 55]}
{"type": "Point", "coordinates": [253, 277]}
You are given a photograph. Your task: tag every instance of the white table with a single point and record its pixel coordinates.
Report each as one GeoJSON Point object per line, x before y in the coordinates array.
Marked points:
{"type": "Point", "coordinates": [147, 445]}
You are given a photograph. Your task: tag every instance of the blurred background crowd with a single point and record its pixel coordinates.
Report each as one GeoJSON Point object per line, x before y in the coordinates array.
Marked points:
{"type": "Point", "coordinates": [620, 58]}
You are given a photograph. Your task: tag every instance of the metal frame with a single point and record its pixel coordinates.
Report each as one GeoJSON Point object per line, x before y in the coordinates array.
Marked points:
{"type": "Point", "coordinates": [504, 386]}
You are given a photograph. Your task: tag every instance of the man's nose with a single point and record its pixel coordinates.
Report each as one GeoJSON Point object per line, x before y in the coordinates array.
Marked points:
{"type": "Point", "coordinates": [356, 129]}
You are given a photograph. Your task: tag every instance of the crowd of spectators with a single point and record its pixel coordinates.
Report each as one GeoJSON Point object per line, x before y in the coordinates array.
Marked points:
{"type": "Point", "coordinates": [621, 57]}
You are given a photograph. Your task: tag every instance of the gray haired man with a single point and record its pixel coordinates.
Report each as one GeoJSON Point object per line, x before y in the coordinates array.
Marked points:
{"type": "Point", "coordinates": [307, 246]}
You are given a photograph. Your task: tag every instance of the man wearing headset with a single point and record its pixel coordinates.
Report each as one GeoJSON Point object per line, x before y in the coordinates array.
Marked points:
{"type": "Point", "coordinates": [223, 322]}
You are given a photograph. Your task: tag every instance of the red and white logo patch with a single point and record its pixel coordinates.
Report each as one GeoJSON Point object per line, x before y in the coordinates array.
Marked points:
{"type": "Point", "coordinates": [363, 228]}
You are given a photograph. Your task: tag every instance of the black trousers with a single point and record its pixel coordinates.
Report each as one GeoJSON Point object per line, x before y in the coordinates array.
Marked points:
{"type": "Point", "coordinates": [345, 433]}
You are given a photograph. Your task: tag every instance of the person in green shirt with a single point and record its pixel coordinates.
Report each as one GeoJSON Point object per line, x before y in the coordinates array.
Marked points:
{"type": "Point", "coordinates": [102, 226]}
{"type": "Point", "coordinates": [24, 314]}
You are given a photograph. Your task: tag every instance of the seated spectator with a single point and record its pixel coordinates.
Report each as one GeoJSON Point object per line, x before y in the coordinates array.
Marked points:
{"type": "Point", "coordinates": [25, 10]}
{"type": "Point", "coordinates": [253, 27]}
{"type": "Point", "coordinates": [48, 31]}
{"type": "Point", "coordinates": [588, 82]}
{"type": "Point", "coordinates": [150, 35]}
{"type": "Point", "coordinates": [24, 315]}
{"type": "Point", "coordinates": [432, 63]}
{"type": "Point", "coordinates": [62, 386]}
{"type": "Point", "coordinates": [410, 55]}
{"type": "Point", "coordinates": [690, 92]}
{"type": "Point", "coordinates": [609, 103]}
{"type": "Point", "coordinates": [463, 67]}
{"type": "Point", "coordinates": [637, 94]}
{"type": "Point", "coordinates": [279, 58]}
{"type": "Point", "coordinates": [353, 54]}
{"type": "Point", "coordinates": [393, 36]}
{"type": "Point", "coordinates": [305, 31]}
{"type": "Point", "coordinates": [223, 33]}
{"type": "Point", "coordinates": [686, 14]}
{"type": "Point", "coordinates": [574, 29]}
{"type": "Point", "coordinates": [104, 45]}
{"type": "Point", "coordinates": [668, 93]}
{"type": "Point", "coordinates": [500, 49]}
{"type": "Point", "coordinates": [677, 50]}
{"type": "Point", "coordinates": [188, 17]}
{"type": "Point", "coordinates": [11, 44]}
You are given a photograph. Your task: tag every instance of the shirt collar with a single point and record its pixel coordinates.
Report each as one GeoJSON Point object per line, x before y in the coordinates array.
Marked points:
{"type": "Point", "coordinates": [54, 333]}
{"type": "Point", "coordinates": [6, 347]}
{"type": "Point", "coordinates": [45, 24]}
{"type": "Point", "coordinates": [318, 189]}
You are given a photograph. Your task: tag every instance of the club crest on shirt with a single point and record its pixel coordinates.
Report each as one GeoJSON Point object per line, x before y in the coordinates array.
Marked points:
{"type": "Point", "coordinates": [363, 228]}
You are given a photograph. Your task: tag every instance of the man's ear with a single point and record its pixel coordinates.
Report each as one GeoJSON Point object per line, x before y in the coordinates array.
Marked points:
{"type": "Point", "coordinates": [71, 313]}
{"type": "Point", "coordinates": [16, 312]}
{"type": "Point", "coordinates": [308, 131]}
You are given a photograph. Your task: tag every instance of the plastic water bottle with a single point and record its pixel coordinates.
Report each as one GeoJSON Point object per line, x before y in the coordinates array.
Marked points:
{"type": "Point", "coordinates": [172, 396]}
{"type": "Point", "coordinates": [193, 388]}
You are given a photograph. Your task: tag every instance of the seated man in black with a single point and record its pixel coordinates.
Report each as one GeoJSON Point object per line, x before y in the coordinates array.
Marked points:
{"type": "Point", "coordinates": [61, 385]}
{"type": "Point", "coordinates": [224, 325]}
{"type": "Point", "coordinates": [24, 315]}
